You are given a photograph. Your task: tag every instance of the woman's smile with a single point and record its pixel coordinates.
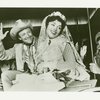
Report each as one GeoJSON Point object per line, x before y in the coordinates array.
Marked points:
{"type": "Point", "coordinates": [54, 29]}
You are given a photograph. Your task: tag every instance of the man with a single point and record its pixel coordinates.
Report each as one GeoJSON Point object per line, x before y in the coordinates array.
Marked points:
{"type": "Point", "coordinates": [95, 67]}
{"type": "Point", "coordinates": [23, 52]}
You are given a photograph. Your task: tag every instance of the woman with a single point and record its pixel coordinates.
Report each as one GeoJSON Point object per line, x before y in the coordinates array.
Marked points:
{"type": "Point", "coordinates": [55, 51]}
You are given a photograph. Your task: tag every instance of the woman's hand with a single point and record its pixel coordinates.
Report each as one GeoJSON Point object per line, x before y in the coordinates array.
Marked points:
{"type": "Point", "coordinates": [43, 68]}
{"type": "Point", "coordinates": [2, 36]}
{"type": "Point", "coordinates": [94, 68]}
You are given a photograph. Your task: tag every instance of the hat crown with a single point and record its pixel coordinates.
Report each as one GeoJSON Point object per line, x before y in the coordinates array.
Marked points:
{"type": "Point", "coordinates": [19, 26]}
{"type": "Point", "coordinates": [20, 23]}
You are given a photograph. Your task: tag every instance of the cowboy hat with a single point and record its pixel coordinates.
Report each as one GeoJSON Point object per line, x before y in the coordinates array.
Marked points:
{"type": "Point", "coordinates": [19, 26]}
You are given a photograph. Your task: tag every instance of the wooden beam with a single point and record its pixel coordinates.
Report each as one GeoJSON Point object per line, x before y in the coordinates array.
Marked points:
{"type": "Point", "coordinates": [93, 13]}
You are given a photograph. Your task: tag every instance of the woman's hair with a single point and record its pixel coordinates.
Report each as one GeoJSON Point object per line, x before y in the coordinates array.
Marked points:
{"type": "Point", "coordinates": [52, 18]}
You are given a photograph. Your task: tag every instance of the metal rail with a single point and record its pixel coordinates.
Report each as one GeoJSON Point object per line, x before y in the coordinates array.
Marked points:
{"type": "Point", "coordinates": [90, 34]}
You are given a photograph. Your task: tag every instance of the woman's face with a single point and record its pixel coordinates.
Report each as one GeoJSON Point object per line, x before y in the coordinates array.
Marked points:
{"type": "Point", "coordinates": [54, 29]}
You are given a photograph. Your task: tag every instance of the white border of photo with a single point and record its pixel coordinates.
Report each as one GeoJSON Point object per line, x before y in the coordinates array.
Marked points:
{"type": "Point", "coordinates": [50, 95]}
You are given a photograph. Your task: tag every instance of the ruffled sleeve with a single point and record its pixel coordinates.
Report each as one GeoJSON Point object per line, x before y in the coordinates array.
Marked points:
{"type": "Point", "coordinates": [6, 54]}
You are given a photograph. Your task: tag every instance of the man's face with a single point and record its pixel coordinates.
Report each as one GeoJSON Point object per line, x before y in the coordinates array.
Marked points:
{"type": "Point", "coordinates": [98, 42]}
{"type": "Point", "coordinates": [26, 36]}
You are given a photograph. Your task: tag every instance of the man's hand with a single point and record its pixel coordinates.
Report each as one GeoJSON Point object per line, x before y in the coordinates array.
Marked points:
{"type": "Point", "coordinates": [83, 51]}
{"type": "Point", "coordinates": [2, 36]}
{"type": "Point", "coordinates": [94, 68]}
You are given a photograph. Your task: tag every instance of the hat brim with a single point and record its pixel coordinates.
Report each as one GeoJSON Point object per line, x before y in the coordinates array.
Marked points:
{"type": "Point", "coordinates": [15, 30]}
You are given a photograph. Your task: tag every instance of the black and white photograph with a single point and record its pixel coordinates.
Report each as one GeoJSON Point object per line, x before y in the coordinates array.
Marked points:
{"type": "Point", "coordinates": [50, 49]}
